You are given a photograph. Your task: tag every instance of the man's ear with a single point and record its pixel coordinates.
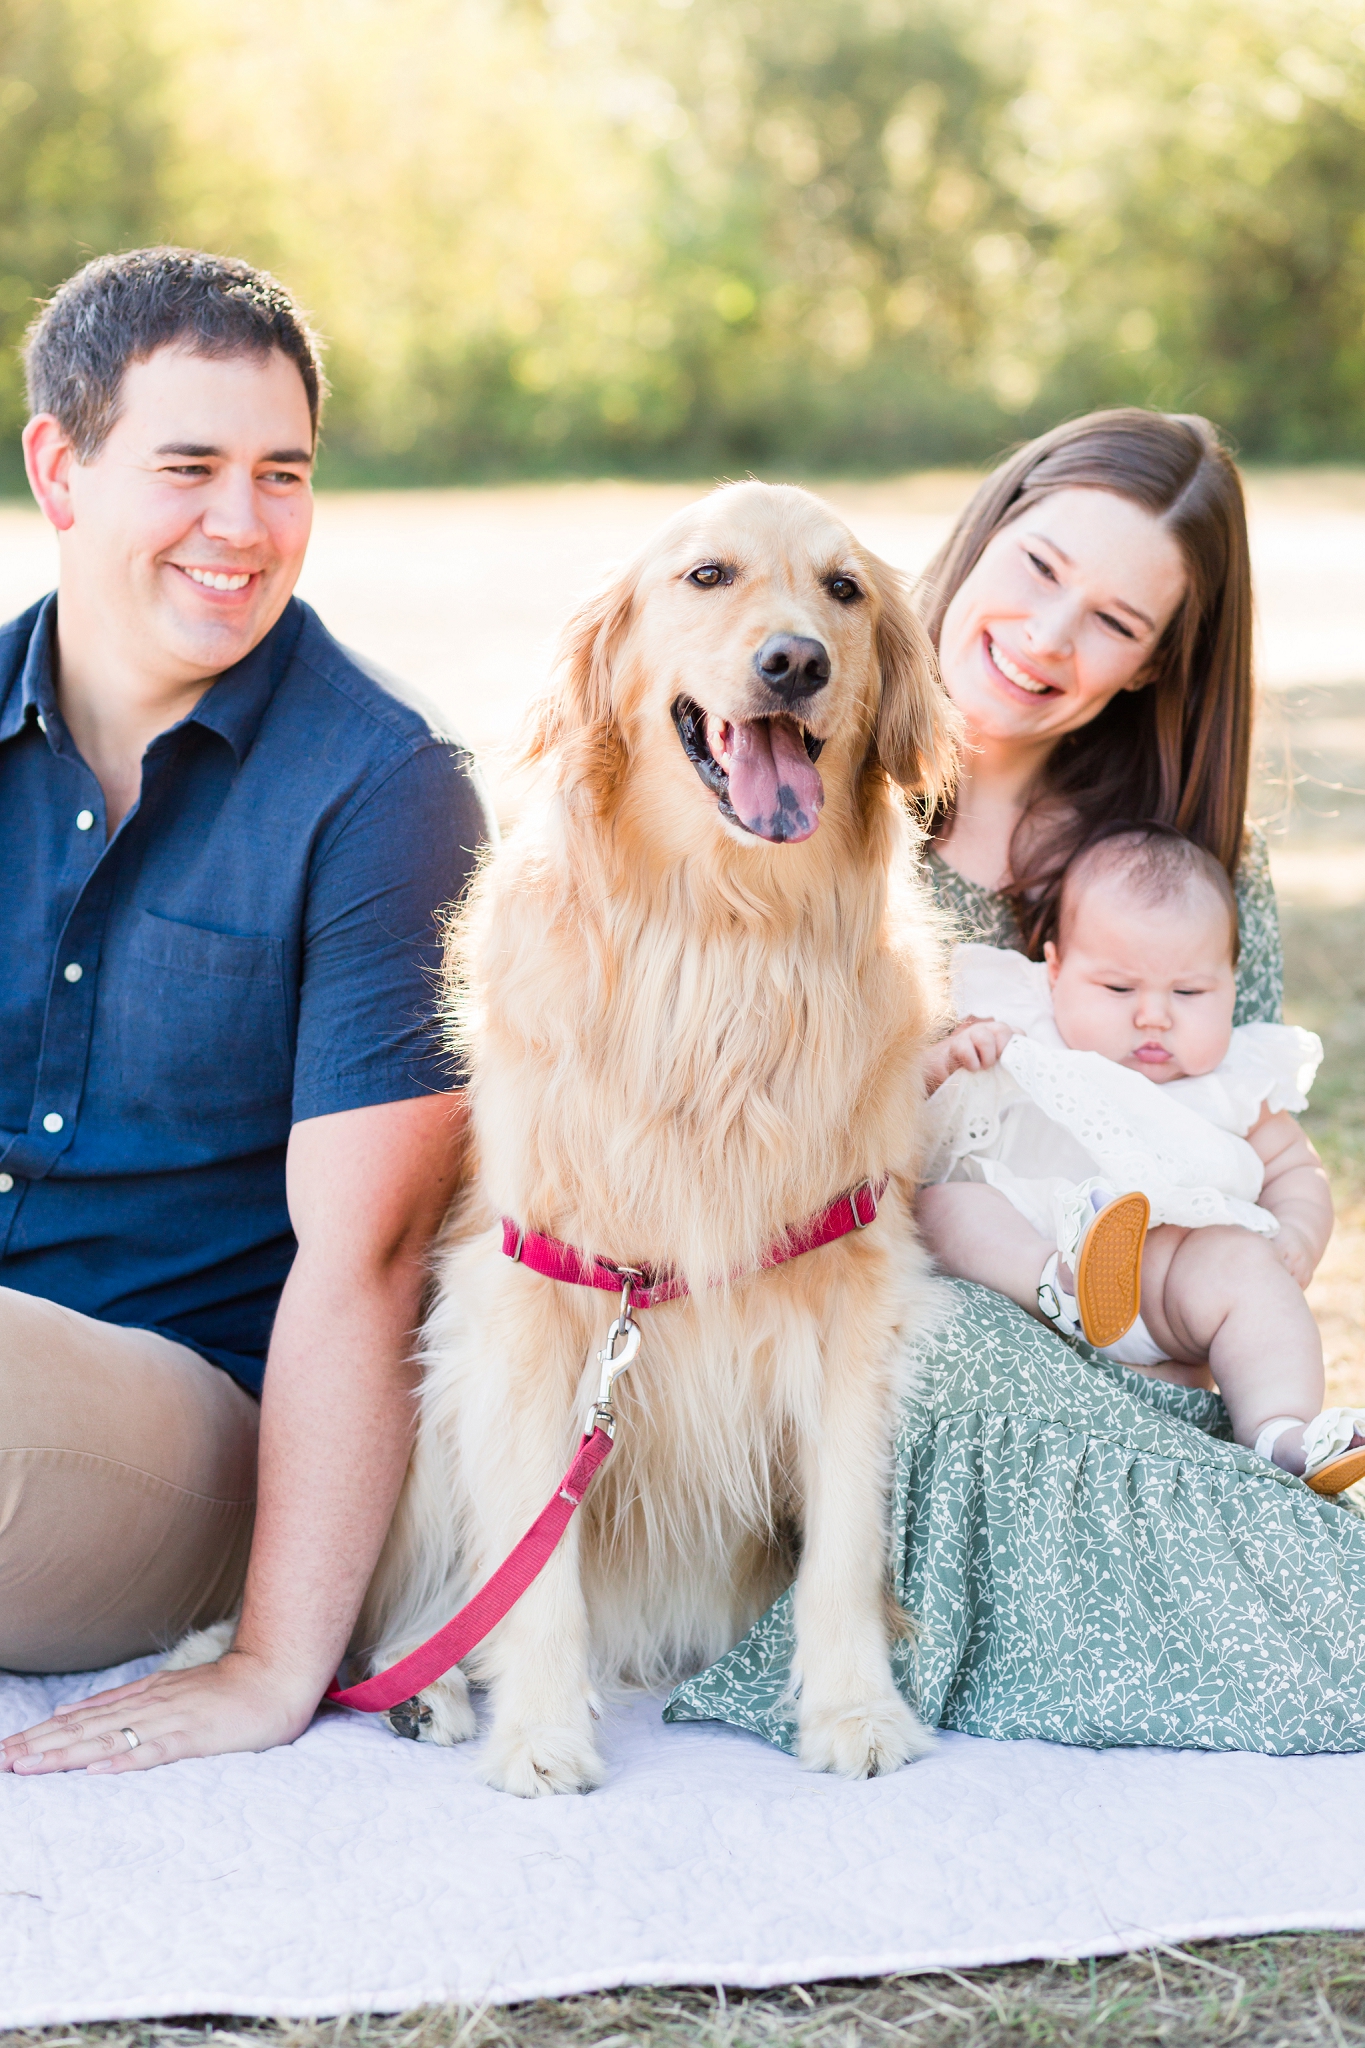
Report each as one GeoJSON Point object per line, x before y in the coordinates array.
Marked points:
{"type": "Point", "coordinates": [48, 456]}
{"type": "Point", "coordinates": [576, 718]}
{"type": "Point", "coordinates": [918, 731]}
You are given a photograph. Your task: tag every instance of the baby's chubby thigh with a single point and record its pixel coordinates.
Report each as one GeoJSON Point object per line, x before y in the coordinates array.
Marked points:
{"type": "Point", "coordinates": [1193, 1281]}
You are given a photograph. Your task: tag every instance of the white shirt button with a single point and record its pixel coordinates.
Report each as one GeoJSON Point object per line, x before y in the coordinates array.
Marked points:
{"type": "Point", "coordinates": [84, 820]}
{"type": "Point", "coordinates": [42, 723]}
{"type": "Point", "coordinates": [6, 1183]}
{"type": "Point", "coordinates": [53, 1121]}
{"type": "Point", "coordinates": [73, 970]}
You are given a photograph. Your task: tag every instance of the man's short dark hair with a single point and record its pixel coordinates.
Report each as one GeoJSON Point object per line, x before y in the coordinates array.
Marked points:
{"type": "Point", "coordinates": [120, 309]}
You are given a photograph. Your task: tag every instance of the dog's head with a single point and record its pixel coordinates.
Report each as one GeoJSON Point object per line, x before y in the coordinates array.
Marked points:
{"type": "Point", "coordinates": [754, 664]}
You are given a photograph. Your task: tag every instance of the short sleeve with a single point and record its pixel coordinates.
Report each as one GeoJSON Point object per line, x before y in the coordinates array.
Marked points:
{"type": "Point", "coordinates": [381, 883]}
{"type": "Point", "coordinates": [1260, 966]}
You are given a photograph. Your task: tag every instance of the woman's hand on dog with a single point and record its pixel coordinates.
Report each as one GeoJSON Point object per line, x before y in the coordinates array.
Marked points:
{"type": "Point", "coordinates": [237, 1703]}
{"type": "Point", "coordinates": [972, 1044]}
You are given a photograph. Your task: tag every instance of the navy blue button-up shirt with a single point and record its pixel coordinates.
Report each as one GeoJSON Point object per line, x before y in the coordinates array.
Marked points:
{"type": "Point", "coordinates": [258, 943]}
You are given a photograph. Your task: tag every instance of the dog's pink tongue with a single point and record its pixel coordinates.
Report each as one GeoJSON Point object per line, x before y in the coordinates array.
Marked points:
{"type": "Point", "coordinates": [775, 787]}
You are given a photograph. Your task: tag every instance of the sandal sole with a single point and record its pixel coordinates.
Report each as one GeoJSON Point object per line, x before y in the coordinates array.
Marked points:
{"type": "Point", "coordinates": [1109, 1269]}
{"type": "Point", "coordinates": [1341, 1473]}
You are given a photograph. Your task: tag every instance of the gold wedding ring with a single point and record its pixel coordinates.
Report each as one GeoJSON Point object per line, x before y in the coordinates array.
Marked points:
{"type": "Point", "coordinates": [133, 1741]}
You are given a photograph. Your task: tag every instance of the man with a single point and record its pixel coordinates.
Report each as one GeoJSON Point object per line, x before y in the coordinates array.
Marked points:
{"type": "Point", "coordinates": [227, 1130]}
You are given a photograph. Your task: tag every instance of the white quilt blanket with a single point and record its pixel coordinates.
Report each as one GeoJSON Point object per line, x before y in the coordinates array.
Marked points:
{"type": "Point", "coordinates": [355, 1871]}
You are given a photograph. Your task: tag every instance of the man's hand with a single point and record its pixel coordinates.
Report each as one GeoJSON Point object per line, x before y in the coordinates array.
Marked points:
{"type": "Point", "coordinates": [974, 1043]}
{"type": "Point", "coordinates": [234, 1704]}
{"type": "Point", "coordinates": [368, 1189]}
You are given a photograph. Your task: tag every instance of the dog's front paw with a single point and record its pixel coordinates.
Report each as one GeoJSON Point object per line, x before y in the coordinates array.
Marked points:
{"type": "Point", "coordinates": [533, 1761]}
{"type": "Point", "coordinates": [202, 1646]}
{"type": "Point", "coordinates": [864, 1741]}
{"type": "Point", "coordinates": [442, 1713]}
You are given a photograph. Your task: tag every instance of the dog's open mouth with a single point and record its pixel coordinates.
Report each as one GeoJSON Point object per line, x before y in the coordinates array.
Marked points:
{"type": "Point", "coordinates": [761, 770]}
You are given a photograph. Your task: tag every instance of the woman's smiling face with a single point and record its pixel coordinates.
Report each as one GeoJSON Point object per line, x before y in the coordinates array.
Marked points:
{"type": "Point", "coordinates": [1064, 609]}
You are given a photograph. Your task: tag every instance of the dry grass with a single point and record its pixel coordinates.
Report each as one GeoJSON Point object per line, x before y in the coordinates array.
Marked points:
{"type": "Point", "coordinates": [1276, 1992]}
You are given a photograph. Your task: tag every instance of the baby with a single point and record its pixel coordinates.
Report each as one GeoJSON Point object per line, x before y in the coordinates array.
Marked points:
{"type": "Point", "coordinates": [1083, 1094]}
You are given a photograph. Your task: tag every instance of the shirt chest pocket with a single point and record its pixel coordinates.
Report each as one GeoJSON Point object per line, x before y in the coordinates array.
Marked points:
{"type": "Point", "coordinates": [203, 1030]}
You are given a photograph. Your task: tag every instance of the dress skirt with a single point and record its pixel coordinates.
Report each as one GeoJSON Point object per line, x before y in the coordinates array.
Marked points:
{"type": "Point", "coordinates": [1088, 1558]}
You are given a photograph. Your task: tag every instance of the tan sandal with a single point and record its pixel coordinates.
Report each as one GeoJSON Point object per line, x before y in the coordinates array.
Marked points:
{"type": "Point", "coordinates": [1339, 1473]}
{"type": "Point", "coordinates": [1331, 1461]}
{"type": "Point", "coordinates": [1109, 1269]}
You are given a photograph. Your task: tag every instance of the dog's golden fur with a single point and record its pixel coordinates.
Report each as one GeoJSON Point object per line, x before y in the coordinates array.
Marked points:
{"type": "Point", "coordinates": [683, 1040]}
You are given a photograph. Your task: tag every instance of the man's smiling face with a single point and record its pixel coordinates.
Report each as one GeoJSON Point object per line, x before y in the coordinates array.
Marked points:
{"type": "Point", "coordinates": [190, 525]}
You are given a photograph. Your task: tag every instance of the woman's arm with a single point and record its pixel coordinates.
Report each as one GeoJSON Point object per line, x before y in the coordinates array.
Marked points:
{"type": "Point", "coordinates": [1295, 1190]}
{"type": "Point", "coordinates": [367, 1191]}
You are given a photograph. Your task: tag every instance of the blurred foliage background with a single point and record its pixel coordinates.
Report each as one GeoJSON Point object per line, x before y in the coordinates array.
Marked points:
{"type": "Point", "coordinates": [680, 236]}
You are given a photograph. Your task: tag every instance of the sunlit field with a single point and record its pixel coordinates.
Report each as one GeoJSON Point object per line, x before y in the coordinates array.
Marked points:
{"type": "Point", "coordinates": [461, 592]}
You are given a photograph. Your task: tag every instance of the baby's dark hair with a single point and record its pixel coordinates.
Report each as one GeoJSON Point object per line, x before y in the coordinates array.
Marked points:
{"type": "Point", "coordinates": [1156, 862]}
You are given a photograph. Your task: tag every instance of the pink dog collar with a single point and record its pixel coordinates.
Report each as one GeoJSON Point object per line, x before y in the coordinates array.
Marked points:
{"type": "Point", "coordinates": [559, 1261]}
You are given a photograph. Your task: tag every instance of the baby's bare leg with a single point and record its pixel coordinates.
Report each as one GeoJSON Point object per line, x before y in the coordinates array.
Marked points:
{"type": "Point", "coordinates": [976, 1233]}
{"type": "Point", "coordinates": [1221, 1294]}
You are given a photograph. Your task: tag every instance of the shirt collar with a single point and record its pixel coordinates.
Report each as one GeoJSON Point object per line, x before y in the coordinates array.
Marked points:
{"type": "Point", "coordinates": [30, 694]}
{"type": "Point", "coordinates": [233, 707]}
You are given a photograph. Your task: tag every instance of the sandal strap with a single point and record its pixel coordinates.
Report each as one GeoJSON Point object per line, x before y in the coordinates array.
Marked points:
{"type": "Point", "coordinates": [1274, 1430]}
{"type": "Point", "coordinates": [1055, 1303]}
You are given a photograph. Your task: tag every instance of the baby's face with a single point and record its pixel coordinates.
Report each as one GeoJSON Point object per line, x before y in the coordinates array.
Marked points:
{"type": "Point", "coordinates": [1149, 985]}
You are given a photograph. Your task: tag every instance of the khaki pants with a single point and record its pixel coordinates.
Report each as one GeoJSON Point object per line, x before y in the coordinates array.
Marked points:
{"type": "Point", "coordinates": [127, 1489]}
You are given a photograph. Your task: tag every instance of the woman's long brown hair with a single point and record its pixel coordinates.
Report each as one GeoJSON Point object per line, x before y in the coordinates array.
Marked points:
{"type": "Point", "coordinates": [1177, 751]}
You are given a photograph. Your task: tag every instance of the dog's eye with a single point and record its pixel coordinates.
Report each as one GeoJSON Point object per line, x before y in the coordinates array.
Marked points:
{"type": "Point", "coordinates": [844, 589]}
{"type": "Point", "coordinates": [708, 576]}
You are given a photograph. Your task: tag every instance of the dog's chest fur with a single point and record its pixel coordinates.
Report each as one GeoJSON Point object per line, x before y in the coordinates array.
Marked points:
{"type": "Point", "coordinates": [675, 1083]}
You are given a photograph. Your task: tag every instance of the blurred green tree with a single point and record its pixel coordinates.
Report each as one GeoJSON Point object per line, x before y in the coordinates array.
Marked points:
{"type": "Point", "coordinates": [585, 235]}
{"type": "Point", "coordinates": [85, 130]}
{"type": "Point", "coordinates": [1196, 175]}
{"type": "Point", "coordinates": [817, 211]}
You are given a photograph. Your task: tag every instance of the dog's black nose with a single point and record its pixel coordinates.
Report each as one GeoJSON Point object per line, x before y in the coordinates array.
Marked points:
{"type": "Point", "coordinates": [791, 667]}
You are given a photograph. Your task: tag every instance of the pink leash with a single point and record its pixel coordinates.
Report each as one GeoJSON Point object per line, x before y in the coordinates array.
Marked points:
{"type": "Point", "coordinates": [556, 1261]}
{"type": "Point", "coordinates": [469, 1627]}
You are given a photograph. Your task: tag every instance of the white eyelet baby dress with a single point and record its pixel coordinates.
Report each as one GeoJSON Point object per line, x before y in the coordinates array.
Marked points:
{"type": "Point", "coordinates": [1050, 1127]}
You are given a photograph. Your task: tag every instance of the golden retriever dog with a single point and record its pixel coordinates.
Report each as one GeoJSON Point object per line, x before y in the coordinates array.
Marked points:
{"type": "Point", "coordinates": [694, 986]}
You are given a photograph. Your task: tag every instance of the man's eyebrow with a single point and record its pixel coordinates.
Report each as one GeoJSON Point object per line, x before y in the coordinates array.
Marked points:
{"type": "Point", "coordinates": [198, 449]}
{"type": "Point", "coordinates": [1118, 604]}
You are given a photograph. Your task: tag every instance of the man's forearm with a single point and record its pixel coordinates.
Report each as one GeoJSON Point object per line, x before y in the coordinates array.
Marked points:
{"type": "Point", "coordinates": [336, 1428]}
{"type": "Point", "coordinates": [367, 1191]}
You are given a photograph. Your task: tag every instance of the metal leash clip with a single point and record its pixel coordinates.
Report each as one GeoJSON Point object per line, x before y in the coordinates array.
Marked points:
{"type": "Point", "coordinates": [625, 1331]}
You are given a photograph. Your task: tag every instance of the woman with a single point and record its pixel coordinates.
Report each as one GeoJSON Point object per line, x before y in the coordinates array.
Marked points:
{"type": "Point", "coordinates": [1087, 1557]}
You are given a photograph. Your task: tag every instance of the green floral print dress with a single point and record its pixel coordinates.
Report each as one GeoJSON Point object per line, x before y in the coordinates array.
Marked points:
{"type": "Point", "coordinates": [1087, 1555]}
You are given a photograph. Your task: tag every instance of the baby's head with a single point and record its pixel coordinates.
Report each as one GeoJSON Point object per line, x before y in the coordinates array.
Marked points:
{"type": "Point", "coordinates": [1143, 968]}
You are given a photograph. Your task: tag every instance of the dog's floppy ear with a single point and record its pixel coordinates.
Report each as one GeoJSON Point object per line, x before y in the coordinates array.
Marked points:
{"type": "Point", "coordinates": [918, 730]}
{"type": "Point", "coordinates": [575, 718]}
